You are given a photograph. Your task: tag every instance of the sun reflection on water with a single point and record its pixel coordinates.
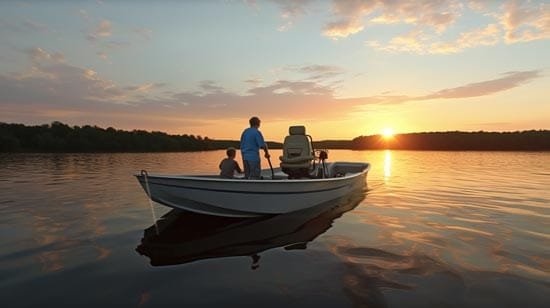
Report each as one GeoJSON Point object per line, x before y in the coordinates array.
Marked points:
{"type": "Point", "coordinates": [387, 165]}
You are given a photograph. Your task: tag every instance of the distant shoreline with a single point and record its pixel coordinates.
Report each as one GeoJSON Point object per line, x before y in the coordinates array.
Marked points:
{"type": "Point", "coordinates": [61, 138]}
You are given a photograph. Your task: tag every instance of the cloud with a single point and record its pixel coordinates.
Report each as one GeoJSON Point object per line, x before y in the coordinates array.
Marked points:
{"type": "Point", "coordinates": [320, 69]}
{"type": "Point", "coordinates": [351, 15]}
{"type": "Point", "coordinates": [412, 42]}
{"type": "Point", "coordinates": [310, 99]}
{"type": "Point", "coordinates": [420, 43]}
{"type": "Point", "coordinates": [37, 55]}
{"type": "Point", "coordinates": [209, 86]}
{"type": "Point", "coordinates": [54, 82]}
{"type": "Point", "coordinates": [343, 28]}
{"type": "Point", "coordinates": [103, 29]}
{"type": "Point", "coordinates": [298, 88]}
{"type": "Point", "coordinates": [525, 22]}
{"type": "Point", "coordinates": [487, 36]}
{"type": "Point", "coordinates": [55, 87]}
{"type": "Point", "coordinates": [515, 21]}
{"type": "Point", "coordinates": [59, 88]}
{"type": "Point", "coordinates": [436, 14]}
{"type": "Point", "coordinates": [317, 73]}
{"type": "Point", "coordinates": [254, 81]}
{"type": "Point", "coordinates": [290, 11]}
{"type": "Point", "coordinates": [145, 88]}
{"type": "Point", "coordinates": [478, 5]}
{"type": "Point", "coordinates": [510, 80]}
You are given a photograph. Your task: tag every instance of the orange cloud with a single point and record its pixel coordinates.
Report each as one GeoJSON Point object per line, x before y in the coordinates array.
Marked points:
{"type": "Point", "coordinates": [82, 93]}
{"type": "Point", "coordinates": [343, 28]}
{"type": "Point", "coordinates": [509, 81]}
{"type": "Point", "coordinates": [524, 23]}
{"type": "Point", "coordinates": [350, 15]}
{"type": "Point", "coordinates": [420, 43]}
{"type": "Point", "coordinates": [515, 22]}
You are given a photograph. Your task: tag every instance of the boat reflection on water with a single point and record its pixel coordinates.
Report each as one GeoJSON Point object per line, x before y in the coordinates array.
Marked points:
{"type": "Point", "coordinates": [186, 237]}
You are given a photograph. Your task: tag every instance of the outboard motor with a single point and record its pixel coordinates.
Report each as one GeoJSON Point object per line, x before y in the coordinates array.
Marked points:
{"type": "Point", "coordinates": [323, 155]}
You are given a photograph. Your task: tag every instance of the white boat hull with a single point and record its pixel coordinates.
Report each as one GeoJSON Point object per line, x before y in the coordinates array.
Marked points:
{"type": "Point", "coordinates": [247, 198]}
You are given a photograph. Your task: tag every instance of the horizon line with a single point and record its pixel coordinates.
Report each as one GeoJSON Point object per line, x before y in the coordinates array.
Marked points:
{"type": "Point", "coordinates": [330, 139]}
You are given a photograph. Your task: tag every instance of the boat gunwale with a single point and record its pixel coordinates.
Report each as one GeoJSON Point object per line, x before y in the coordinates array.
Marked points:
{"type": "Point", "coordinates": [207, 178]}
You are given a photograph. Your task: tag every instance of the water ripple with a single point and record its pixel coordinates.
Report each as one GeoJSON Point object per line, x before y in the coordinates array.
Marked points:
{"type": "Point", "coordinates": [453, 229]}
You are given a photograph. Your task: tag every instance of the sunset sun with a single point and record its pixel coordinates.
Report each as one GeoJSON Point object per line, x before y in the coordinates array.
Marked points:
{"type": "Point", "coordinates": [387, 133]}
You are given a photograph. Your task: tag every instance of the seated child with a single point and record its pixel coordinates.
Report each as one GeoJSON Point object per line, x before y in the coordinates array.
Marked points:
{"type": "Point", "coordinates": [228, 165]}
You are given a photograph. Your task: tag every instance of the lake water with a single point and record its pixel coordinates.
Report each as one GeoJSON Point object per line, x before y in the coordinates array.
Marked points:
{"type": "Point", "coordinates": [434, 229]}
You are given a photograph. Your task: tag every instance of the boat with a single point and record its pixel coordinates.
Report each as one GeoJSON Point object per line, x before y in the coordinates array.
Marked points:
{"type": "Point", "coordinates": [186, 237]}
{"type": "Point", "coordinates": [274, 194]}
{"type": "Point", "coordinates": [298, 184]}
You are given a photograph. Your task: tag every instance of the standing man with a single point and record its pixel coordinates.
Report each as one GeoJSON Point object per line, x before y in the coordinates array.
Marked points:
{"type": "Point", "coordinates": [251, 142]}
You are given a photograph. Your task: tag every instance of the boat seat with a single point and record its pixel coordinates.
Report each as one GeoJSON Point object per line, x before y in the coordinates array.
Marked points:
{"type": "Point", "coordinates": [297, 157]}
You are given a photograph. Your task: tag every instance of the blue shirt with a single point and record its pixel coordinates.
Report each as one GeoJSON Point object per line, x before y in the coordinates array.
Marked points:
{"type": "Point", "coordinates": [251, 142]}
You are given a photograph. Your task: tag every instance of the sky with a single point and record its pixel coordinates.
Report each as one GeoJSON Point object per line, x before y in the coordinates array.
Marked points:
{"type": "Point", "coordinates": [342, 68]}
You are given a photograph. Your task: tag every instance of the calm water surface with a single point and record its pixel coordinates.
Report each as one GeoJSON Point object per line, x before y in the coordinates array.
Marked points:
{"type": "Point", "coordinates": [441, 229]}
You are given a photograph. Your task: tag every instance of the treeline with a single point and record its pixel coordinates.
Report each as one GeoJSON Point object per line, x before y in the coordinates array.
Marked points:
{"type": "Point", "coordinates": [333, 144]}
{"type": "Point", "coordinates": [59, 137]}
{"type": "Point", "coordinates": [532, 140]}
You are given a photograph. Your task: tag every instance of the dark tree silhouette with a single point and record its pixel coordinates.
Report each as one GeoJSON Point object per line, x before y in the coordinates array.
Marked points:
{"type": "Point", "coordinates": [59, 137]}
{"type": "Point", "coordinates": [532, 140]}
